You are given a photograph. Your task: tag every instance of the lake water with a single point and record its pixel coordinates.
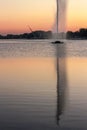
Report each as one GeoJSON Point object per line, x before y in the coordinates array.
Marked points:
{"type": "Point", "coordinates": [43, 86]}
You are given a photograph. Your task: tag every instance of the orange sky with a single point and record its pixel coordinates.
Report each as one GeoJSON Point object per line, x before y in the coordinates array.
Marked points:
{"type": "Point", "coordinates": [15, 15]}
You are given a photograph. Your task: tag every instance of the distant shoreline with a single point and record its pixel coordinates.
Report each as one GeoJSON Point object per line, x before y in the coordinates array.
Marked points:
{"type": "Point", "coordinates": [40, 34]}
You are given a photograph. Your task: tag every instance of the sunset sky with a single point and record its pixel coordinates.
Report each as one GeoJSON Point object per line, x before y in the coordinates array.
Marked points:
{"type": "Point", "coordinates": [16, 15]}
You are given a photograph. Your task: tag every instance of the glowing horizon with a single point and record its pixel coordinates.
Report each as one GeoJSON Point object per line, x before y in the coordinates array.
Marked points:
{"type": "Point", "coordinates": [40, 15]}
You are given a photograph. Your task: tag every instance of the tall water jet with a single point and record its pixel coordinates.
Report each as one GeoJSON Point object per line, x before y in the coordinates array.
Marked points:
{"type": "Point", "coordinates": [61, 8]}
{"type": "Point", "coordinates": [60, 22]}
{"type": "Point", "coordinates": [57, 16]}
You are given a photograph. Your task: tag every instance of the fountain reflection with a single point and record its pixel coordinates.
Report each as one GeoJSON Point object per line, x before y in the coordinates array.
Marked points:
{"type": "Point", "coordinates": [61, 82]}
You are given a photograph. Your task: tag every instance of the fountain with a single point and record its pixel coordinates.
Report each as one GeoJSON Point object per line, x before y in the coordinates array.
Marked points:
{"type": "Point", "coordinates": [60, 18]}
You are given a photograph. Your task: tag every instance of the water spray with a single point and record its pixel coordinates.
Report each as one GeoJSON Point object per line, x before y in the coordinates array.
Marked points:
{"type": "Point", "coordinates": [57, 16]}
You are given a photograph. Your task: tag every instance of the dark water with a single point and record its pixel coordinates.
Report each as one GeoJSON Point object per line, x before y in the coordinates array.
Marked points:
{"type": "Point", "coordinates": [43, 86]}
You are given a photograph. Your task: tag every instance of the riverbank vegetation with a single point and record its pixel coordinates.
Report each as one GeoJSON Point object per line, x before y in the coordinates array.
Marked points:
{"type": "Point", "coordinates": [81, 34]}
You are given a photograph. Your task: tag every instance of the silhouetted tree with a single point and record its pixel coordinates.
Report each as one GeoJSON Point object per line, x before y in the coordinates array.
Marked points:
{"type": "Point", "coordinates": [81, 34]}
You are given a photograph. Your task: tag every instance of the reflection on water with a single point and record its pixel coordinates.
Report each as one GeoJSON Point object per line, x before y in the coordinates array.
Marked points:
{"type": "Point", "coordinates": [61, 87]}
{"type": "Point", "coordinates": [75, 114]}
{"type": "Point", "coordinates": [71, 93]}
{"type": "Point", "coordinates": [61, 80]}
{"type": "Point", "coordinates": [43, 86]}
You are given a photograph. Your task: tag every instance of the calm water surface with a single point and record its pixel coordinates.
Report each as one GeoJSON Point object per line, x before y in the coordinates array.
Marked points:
{"type": "Point", "coordinates": [43, 86]}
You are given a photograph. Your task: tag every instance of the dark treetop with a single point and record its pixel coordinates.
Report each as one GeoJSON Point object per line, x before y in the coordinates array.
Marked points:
{"type": "Point", "coordinates": [81, 34]}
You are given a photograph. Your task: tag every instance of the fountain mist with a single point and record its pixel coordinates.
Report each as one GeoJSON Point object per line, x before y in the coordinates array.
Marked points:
{"type": "Point", "coordinates": [61, 15]}
{"type": "Point", "coordinates": [60, 21]}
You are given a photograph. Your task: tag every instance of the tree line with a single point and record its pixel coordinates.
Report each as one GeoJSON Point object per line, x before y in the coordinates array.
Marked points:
{"type": "Point", "coordinates": [81, 34]}
{"type": "Point", "coordinates": [32, 35]}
